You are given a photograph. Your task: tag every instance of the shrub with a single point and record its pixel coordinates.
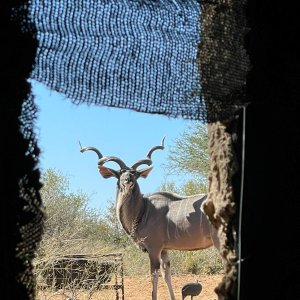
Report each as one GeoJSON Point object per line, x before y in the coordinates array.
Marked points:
{"type": "Point", "coordinates": [72, 228]}
{"type": "Point", "coordinates": [206, 261]}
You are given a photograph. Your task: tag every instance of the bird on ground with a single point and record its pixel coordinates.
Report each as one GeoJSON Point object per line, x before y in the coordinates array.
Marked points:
{"type": "Point", "coordinates": [191, 289]}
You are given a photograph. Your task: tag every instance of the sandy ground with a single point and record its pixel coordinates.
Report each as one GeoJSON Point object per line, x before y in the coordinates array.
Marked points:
{"type": "Point", "coordinates": [139, 288]}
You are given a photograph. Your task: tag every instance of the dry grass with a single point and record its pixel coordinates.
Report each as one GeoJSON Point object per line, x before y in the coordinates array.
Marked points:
{"type": "Point", "coordinates": [86, 284]}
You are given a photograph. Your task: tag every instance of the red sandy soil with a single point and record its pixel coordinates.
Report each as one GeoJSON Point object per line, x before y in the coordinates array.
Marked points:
{"type": "Point", "coordinates": [139, 288]}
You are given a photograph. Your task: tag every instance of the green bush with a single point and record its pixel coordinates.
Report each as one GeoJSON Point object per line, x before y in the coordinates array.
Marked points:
{"type": "Point", "coordinates": [72, 228]}
{"type": "Point", "coordinates": [206, 261]}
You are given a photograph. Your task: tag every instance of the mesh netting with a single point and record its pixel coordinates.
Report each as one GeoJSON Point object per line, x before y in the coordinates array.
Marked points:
{"type": "Point", "coordinates": [180, 58]}
{"type": "Point", "coordinates": [173, 57]}
{"type": "Point", "coordinates": [144, 55]}
{"type": "Point", "coordinates": [140, 55]}
{"type": "Point", "coordinates": [21, 214]}
{"type": "Point", "coordinates": [223, 61]}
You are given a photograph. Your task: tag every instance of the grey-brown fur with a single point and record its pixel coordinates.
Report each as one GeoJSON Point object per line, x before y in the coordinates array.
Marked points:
{"type": "Point", "coordinates": [159, 222]}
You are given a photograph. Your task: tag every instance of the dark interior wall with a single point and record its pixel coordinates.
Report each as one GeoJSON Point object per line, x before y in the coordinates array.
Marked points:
{"type": "Point", "coordinates": [270, 231]}
{"type": "Point", "coordinates": [271, 203]}
{"type": "Point", "coordinates": [20, 229]}
{"type": "Point", "coordinates": [271, 197]}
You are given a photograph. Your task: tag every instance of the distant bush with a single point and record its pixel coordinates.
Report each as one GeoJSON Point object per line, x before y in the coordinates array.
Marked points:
{"type": "Point", "coordinates": [72, 228]}
{"type": "Point", "coordinates": [206, 261]}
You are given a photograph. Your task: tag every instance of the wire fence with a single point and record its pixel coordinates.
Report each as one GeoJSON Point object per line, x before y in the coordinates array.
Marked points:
{"type": "Point", "coordinates": [81, 277]}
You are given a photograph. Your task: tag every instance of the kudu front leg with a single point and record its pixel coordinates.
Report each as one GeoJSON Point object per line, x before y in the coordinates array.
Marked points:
{"type": "Point", "coordinates": [166, 272]}
{"type": "Point", "coordinates": [154, 269]}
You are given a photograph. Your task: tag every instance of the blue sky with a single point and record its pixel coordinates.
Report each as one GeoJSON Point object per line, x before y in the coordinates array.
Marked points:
{"type": "Point", "coordinates": [123, 133]}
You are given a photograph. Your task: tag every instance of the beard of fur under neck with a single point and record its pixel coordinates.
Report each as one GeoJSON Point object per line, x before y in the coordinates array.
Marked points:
{"type": "Point", "coordinates": [130, 208]}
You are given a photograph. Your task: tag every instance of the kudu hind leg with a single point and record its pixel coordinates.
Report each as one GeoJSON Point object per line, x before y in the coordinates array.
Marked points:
{"type": "Point", "coordinates": [166, 272]}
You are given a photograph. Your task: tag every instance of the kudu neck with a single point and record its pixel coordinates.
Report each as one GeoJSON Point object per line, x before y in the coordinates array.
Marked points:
{"type": "Point", "coordinates": [130, 208]}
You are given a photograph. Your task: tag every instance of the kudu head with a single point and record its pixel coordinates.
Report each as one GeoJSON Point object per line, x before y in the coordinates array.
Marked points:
{"type": "Point", "coordinates": [127, 176]}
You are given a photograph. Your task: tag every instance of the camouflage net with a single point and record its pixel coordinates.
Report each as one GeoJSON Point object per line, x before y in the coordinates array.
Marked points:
{"type": "Point", "coordinates": [139, 55]}
{"type": "Point", "coordinates": [172, 57]}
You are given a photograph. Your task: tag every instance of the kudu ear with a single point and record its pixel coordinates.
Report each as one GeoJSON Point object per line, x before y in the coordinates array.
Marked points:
{"type": "Point", "coordinates": [107, 172]}
{"type": "Point", "coordinates": [145, 172]}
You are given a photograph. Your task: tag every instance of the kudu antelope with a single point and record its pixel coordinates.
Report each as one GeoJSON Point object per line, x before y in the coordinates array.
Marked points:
{"type": "Point", "coordinates": [159, 222]}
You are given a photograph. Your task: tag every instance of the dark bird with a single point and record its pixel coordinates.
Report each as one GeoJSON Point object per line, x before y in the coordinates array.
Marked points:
{"type": "Point", "coordinates": [191, 289]}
